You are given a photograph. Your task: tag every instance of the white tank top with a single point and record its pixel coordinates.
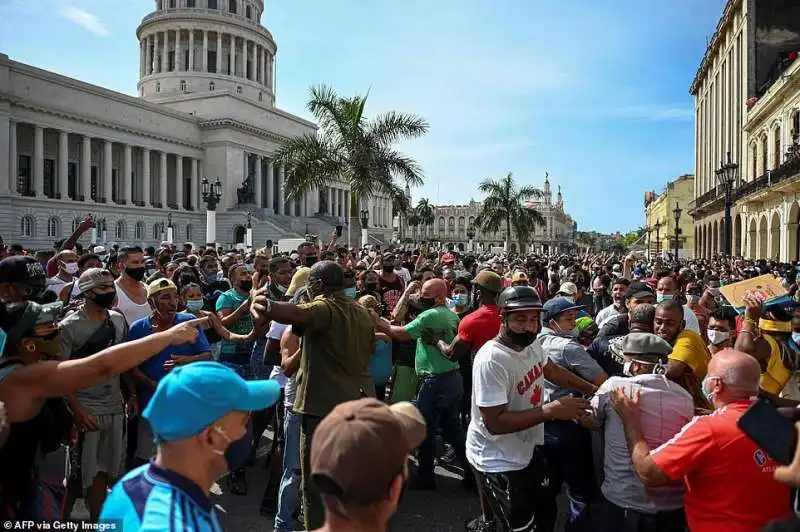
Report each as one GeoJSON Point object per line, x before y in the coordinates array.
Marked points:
{"type": "Point", "coordinates": [130, 309]}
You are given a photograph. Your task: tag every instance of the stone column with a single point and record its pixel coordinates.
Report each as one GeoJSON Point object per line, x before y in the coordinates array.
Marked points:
{"type": "Point", "coordinates": [233, 55]}
{"type": "Point", "coordinates": [13, 158]}
{"type": "Point", "coordinates": [329, 205]}
{"type": "Point", "coordinates": [346, 202]}
{"type": "Point", "coordinates": [270, 186]}
{"type": "Point", "coordinates": [38, 160]}
{"type": "Point", "coordinates": [191, 51]}
{"type": "Point", "coordinates": [178, 54]}
{"type": "Point", "coordinates": [257, 62]}
{"type": "Point", "coordinates": [156, 55]}
{"type": "Point", "coordinates": [162, 180]}
{"type": "Point", "coordinates": [259, 184]}
{"type": "Point", "coordinates": [63, 164]}
{"type": "Point", "coordinates": [86, 168]}
{"type": "Point", "coordinates": [244, 59]}
{"type": "Point", "coordinates": [142, 57]}
{"type": "Point", "coordinates": [146, 176]}
{"type": "Point", "coordinates": [127, 175]}
{"type": "Point", "coordinates": [164, 59]}
{"type": "Point", "coordinates": [264, 54]}
{"type": "Point", "coordinates": [205, 51]}
{"type": "Point", "coordinates": [107, 184]}
{"type": "Point", "coordinates": [148, 58]}
{"type": "Point", "coordinates": [195, 182]}
{"type": "Point", "coordinates": [179, 181]}
{"type": "Point", "coordinates": [219, 53]}
{"type": "Point", "coordinates": [281, 191]}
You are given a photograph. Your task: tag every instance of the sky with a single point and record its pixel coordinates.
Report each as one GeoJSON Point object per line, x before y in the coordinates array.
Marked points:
{"type": "Point", "coordinates": [594, 93]}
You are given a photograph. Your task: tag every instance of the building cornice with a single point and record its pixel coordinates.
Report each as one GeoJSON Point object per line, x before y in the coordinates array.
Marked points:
{"type": "Point", "coordinates": [230, 123]}
{"type": "Point", "coordinates": [711, 49]}
{"type": "Point", "coordinates": [96, 90]}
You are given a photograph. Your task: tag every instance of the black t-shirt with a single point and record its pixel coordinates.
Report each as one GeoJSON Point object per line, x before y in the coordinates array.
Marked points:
{"type": "Point", "coordinates": [391, 292]}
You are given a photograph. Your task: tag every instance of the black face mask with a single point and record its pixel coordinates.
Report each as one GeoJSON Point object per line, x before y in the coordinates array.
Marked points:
{"type": "Point", "coordinates": [104, 300]}
{"type": "Point", "coordinates": [388, 268]}
{"type": "Point", "coordinates": [372, 287]}
{"type": "Point", "coordinates": [137, 274]}
{"type": "Point", "coordinates": [427, 302]}
{"type": "Point", "coordinates": [521, 339]}
{"type": "Point", "coordinates": [311, 260]}
{"type": "Point", "coordinates": [246, 286]}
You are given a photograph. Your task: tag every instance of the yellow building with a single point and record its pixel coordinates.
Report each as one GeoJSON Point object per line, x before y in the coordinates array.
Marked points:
{"type": "Point", "coordinates": [660, 218]}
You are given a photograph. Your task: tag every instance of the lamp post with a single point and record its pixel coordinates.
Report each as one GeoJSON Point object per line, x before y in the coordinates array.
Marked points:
{"type": "Point", "coordinates": [364, 227]}
{"type": "Point", "coordinates": [658, 237]}
{"type": "Point", "coordinates": [211, 192]}
{"type": "Point", "coordinates": [248, 236]}
{"type": "Point", "coordinates": [677, 212]}
{"type": "Point", "coordinates": [649, 242]}
{"type": "Point", "coordinates": [471, 235]}
{"type": "Point", "coordinates": [169, 228]}
{"type": "Point", "coordinates": [726, 176]}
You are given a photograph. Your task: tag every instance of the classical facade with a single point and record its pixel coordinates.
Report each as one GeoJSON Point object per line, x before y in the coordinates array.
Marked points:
{"type": "Point", "coordinates": [452, 223]}
{"type": "Point", "coordinates": [660, 221]}
{"type": "Point", "coordinates": [747, 98]}
{"type": "Point", "coordinates": [206, 109]}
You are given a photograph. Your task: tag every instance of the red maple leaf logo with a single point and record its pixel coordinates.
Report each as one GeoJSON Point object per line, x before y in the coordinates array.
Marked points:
{"type": "Point", "coordinates": [536, 396]}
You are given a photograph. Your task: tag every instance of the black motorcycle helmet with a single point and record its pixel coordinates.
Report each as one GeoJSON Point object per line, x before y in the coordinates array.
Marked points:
{"type": "Point", "coordinates": [516, 298]}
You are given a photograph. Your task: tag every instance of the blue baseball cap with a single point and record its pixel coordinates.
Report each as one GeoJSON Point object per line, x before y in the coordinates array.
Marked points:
{"type": "Point", "coordinates": [194, 396]}
{"type": "Point", "coordinates": [559, 305]}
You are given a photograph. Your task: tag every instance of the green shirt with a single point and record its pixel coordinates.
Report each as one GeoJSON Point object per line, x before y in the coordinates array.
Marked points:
{"type": "Point", "coordinates": [443, 322]}
{"type": "Point", "coordinates": [337, 342]}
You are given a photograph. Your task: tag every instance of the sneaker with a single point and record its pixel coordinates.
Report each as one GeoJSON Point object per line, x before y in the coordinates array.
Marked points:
{"type": "Point", "coordinates": [478, 524]}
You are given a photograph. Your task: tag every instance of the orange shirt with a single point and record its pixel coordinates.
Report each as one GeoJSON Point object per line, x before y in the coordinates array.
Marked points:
{"type": "Point", "coordinates": [480, 326]}
{"type": "Point", "coordinates": [728, 479]}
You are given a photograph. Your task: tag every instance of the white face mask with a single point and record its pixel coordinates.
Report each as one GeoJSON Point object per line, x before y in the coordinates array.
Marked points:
{"type": "Point", "coordinates": [717, 337]}
{"type": "Point", "coordinates": [626, 368]}
{"type": "Point", "coordinates": [71, 268]}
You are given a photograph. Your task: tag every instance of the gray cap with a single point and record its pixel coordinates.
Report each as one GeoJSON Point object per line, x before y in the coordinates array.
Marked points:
{"type": "Point", "coordinates": [637, 345]}
{"type": "Point", "coordinates": [95, 278]}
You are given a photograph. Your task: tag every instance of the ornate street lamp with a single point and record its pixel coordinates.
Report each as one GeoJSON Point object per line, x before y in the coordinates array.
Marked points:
{"type": "Point", "coordinates": [364, 227]}
{"type": "Point", "coordinates": [248, 236]}
{"type": "Point", "coordinates": [726, 176]}
{"type": "Point", "coordinates": [677, 212]}
{"type": "Point", "coordinates": [211, 192]}
{"type": "Point", "coordinates": [470, 236]}
{"type": "Point", "coordinates": [169, 228]}
{"type": "Point", "coordinates": [658, 237]}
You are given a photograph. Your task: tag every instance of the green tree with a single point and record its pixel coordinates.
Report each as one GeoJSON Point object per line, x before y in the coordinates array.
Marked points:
{"type": "Point", "coordinates": [350, 147]}
{"type": "Point", "coordinates": [503, 207]}
{"type": "Point", "coordinates": [425, 212]}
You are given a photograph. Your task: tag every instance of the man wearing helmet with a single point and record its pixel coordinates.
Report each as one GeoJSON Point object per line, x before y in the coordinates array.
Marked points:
{"type": "Point", "coordinates": [508, 411]}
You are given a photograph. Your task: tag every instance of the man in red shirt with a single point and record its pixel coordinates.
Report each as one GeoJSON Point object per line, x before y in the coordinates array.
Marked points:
{"type": "Point", "coordinates": [729, 480]}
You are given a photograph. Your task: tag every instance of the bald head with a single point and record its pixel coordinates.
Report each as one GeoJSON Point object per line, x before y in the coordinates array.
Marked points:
{"type": "Point", "coordinates": [435, 289]}
{"type": "Point", "coordinates": [739, 373]}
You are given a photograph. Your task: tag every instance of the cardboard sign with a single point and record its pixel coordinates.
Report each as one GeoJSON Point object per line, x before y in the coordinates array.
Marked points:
{"type": "Point", "coordinates": [766, 288]}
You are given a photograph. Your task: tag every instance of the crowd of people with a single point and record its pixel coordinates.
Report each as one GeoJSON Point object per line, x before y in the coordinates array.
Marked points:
{"type": "Point", "coordinates": [616, 380]}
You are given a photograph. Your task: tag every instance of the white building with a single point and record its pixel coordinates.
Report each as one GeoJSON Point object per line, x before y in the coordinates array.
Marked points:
{"type": "Point", "coordinates": [452, 223]}
{"type": "Point", "coordinates": [206, 109]}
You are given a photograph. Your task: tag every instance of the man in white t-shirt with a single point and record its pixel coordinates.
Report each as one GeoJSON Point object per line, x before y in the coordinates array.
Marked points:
{"type": "Point", "coordinates": [508, 410]}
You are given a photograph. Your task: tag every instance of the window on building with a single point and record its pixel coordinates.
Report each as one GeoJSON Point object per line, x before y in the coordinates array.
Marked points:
{"type": "Point", "coordinates": [239, 89]}
{"type": "Point", "coordinates": [52, 228]}
{"type": "Point", "coordinates": [170, 61]}
{"type": "Point", "coordinates": [260, 96]}
{"type": "Point", "coordinates": [190, 3]}
{"type": "Point", "coordinates": [24, 184]}
{"type": "Point", "coordinates": [795, 121]}
{"type": "Point", "coordinates": [26, 226]}
{"type": "Point", "coordinates": [212, 61]}
{"type": "Point", "coordinates": [158, 86]}
{"type": "Point", "coordinates": [139, 232]}
{"type": "Point", "coordinates": [72, 180]}
{"type": "Point", "coordinates": [186, 65]}
{"type": "Point", "coordinates": [776, 148]}
{"type": "Point", "coordinates": [764, 155]}
{"type": "Point", "coordinates": [211, 85]}
{"type": "Point", "coordinates": [753, 161]}
{"type": "Point", "coordinates": [172, 4]}
{"type": "Point", "coordinates": [120, 232]}
{"type": "Point", "coordinates": [183, 85]}
{"type": "Point", "coordinates": [248, 70]}
{"type": "Point", "coordinates": [49, 178]}
{"type": "Point", "coordinates": [249, 12]}
{"type": "Point", "coordinates": [188, 232]}
{"type": "Point", "coordinates": [232, 6]}
{"type": "Point", "coordinates": [157, 231]}
{"type": "Point", "coordinates": [212, 4]}
{"type": "Point", "coordinates": [75, 223]}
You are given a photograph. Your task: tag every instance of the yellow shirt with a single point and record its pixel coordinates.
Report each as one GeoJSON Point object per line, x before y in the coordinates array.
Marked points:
{"type": "Point", "coordinates": [690, 349]}
{"type": "Point", "coordinates": [777, 375]}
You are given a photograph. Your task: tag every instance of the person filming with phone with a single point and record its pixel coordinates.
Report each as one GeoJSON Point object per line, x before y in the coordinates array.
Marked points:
{"type": "Point", "coordinates": [729, 479]}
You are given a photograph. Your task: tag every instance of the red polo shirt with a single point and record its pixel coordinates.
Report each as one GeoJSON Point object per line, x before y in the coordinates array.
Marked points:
{"type": "Point", "coordinates": [480, 326]}
{"type": "Point", "coordinates": [728, 479]}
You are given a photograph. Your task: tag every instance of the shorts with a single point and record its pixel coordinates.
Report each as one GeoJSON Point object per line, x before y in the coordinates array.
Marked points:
{"type": "Point", "coordinates": [512, 495]}
{"type": "Point", "coordinates": [145, 441]}
{"type": "Point", "coordinates": [99, 451]}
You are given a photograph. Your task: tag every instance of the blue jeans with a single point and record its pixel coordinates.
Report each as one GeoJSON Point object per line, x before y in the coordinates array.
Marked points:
{"type": "Point", "coordinates": [289, 492]}
{"type": "Point", "coordinates": [439, 399]}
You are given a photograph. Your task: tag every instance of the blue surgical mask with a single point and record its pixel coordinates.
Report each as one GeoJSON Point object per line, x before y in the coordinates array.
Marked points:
{"type": "Point", "coordinates": [350, 293]}
{"type": "Point", "coordinates": [460, 300]}
{"type": "Point", "coordinates": [194, 305]}
{"type": "Point", "coordinates": [663, 297]}
{"type": "Point", "coordinates": [796, 337]}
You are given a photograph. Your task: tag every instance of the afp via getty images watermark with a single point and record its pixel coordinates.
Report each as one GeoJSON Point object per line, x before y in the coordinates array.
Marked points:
{"type": "Point", "coordinates": [69, 526]}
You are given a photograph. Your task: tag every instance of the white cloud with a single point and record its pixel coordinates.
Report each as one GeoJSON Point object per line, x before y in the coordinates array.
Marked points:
{"type": "Point", "coordinates": [87, 20]}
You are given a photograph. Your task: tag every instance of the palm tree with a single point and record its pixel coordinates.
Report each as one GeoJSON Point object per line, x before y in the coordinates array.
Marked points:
{"type": "Point", "coordinates": [413, 222]}
{"type": "Point", "coordinates": [351, 148]}
{"type": "Point", "coordinates": [425, 212]}
{"type": "Point", "coordinates": [503, 206]}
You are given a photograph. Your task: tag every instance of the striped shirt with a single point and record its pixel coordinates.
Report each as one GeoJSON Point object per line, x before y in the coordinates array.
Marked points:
{"type": "Point", "coordinates": [152, 498]}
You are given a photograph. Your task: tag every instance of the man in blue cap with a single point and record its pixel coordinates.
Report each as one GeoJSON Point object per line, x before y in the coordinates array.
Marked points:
{"type": "Point", "coordinates": [198, 416]}
{"type": "Point", "coordinates": [567, 446]}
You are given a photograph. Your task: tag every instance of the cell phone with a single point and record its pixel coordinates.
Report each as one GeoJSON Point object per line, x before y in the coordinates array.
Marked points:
{"type": "Point", "coordinates": [269, 244]}
{"type": "Point", "coordinates": [772, 431]}
{"type": "Point", "coordinates": [3, 337]}
{"type": "Point", "coordinates": [338, 231]}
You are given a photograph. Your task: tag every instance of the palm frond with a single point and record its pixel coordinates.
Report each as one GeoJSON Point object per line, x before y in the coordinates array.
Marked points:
{"type": "Point", "coordinates": [391, 127]}
{"type": "Point", "coordinates": [309, 161]}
